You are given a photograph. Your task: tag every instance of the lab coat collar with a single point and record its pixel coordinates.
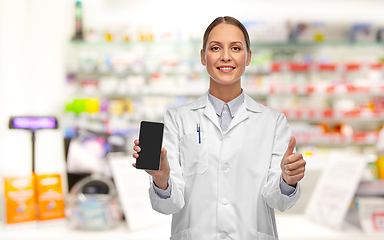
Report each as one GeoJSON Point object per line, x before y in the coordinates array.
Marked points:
{"type": "Point", "coordinates": [249, 103]}
{"type": "Point", "coordinates": [241, 115]}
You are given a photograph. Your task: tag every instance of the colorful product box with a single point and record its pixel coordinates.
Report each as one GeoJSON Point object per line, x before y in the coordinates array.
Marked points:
{"type": "Point", "coordinates": [20, 199]}
{"type": "Point", "coordinates": [50, 197]}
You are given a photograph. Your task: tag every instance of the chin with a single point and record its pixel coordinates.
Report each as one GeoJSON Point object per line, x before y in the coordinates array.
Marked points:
{"type": "Point", "coordinates": [225, 81]}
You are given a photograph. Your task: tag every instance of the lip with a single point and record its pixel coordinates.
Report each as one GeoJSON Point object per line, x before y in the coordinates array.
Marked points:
{"type": "Point", "coordinates": [226, 70]}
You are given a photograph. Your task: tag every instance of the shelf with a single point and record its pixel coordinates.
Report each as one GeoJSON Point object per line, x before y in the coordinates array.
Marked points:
{"type": "Point", "coordinates": [194, 67]}
{"type": "Point", "coordinates": [129, 70]}
{"type": "Point", "coordinates": [330, 114]}
{"type": "Point", "coordinates": [323, 89]}
{"type": "Point", "coordinates": [193, 91]}
{"type": "Point", "coordinates": [371, 188]}
{"type": "Point", "coordinates": [351, 78]}
{"type": "Point", "coordinates": [335, 139]}
{"type": "Point", "coordinates": [252, 90]}
{"type": "Point", "coordinates": [318, 44]}
{"type": "Point", "coordinates": [253, 44]}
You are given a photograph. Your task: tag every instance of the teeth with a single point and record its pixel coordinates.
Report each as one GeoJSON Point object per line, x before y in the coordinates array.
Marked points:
{"type": "Point", "coordinates": [226, 68]}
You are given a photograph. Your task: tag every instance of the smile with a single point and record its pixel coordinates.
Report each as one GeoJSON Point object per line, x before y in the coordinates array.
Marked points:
{"type": "Point", "coordinates": [226, 68]}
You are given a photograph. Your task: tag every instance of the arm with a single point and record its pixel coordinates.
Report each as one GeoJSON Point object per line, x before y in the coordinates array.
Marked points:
{"type": "Point", "coordinates": [170, 170]}
{"type": "Point", "coordinates": [280, 159]}
{"type": "Point", "coordinates": [175, 202]}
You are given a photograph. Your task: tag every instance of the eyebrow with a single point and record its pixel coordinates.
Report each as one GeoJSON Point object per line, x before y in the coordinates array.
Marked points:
{"type": "Point", "coordinates": [217, 42]}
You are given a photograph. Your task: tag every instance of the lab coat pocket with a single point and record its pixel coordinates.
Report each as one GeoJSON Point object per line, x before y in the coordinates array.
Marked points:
{"type": "Point", "coordinates": [183, 235]}
{"type": "Point", "coordinates": [194, 153]}
{"type": "Point", "coordinates": [263, 236]}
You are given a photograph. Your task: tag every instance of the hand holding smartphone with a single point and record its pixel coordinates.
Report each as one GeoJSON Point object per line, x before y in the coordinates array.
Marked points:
{"type": "Point", "coordinates": [150, 143]}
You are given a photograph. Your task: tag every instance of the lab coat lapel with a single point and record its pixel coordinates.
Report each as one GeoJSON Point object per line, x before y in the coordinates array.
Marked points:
{"type": "Point", "coordinates": [240, 116]}
{"type": "Point", "coordinates": [209, 111]}
{"type": "Point", "coordinates": [248, 107]}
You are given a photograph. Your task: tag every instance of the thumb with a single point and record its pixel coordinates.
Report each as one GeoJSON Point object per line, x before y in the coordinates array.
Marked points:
{"type": "Point", "coordinates": [163, 152]}
{"type": "Point", "coordinates": [291, 147]}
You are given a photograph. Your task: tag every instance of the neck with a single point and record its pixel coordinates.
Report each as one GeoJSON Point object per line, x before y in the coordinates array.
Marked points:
{"type": "Point", "coordinates": [225, 92]}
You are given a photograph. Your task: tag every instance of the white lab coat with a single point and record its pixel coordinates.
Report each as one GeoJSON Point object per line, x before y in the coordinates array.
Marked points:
{"type": "Point", "coordinates": [228, 186]}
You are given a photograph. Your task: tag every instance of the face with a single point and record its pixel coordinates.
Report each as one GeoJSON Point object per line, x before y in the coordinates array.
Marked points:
{"type": "Point", "coordinates": [226, 54]}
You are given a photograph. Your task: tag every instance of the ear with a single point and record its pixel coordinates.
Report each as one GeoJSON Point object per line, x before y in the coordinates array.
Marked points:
{"type": "Point", "coordinates": [249, 55]}
{"type": "Point", "coordinates": [202, 56]}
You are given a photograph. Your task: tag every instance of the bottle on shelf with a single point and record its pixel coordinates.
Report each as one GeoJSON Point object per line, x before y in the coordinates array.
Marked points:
{"type": "Point", "coordinates": [79, 22]}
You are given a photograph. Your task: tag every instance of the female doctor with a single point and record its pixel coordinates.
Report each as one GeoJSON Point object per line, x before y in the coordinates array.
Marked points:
{"type": "Point", "coordinates": [227, 161]}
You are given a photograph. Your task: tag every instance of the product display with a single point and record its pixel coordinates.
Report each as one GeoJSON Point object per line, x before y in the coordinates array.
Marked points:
{"type": "Point", "coordinates": [94, 204]}
{"type": "Point", "coordinates": [371, 213]}
{"type": "Point", "coordinates": [88, 153]}
{"type": "Point", "coordinates": [312, 84]}
{"type": "Point", "coordinates": [20, 199]}
{"type": "Point", "coordinates": [35, 197]}
{"type": "Point", "coordinates": [51, 200]}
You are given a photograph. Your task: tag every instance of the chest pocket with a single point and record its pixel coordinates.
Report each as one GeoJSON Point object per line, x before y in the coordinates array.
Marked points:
{"type": "Point", "coordinates": [194, 155]}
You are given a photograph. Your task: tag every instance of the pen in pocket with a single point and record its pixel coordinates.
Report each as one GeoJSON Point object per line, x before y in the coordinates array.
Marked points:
{"type": "Point", "coordinates": [198, 130]}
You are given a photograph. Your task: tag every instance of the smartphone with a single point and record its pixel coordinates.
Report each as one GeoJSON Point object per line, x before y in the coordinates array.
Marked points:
{"type": "Point", "coordinates": [150, 142]}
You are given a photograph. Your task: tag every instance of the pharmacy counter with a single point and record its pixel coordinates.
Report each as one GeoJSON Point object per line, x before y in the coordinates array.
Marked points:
{"type": "Point", "coordinates": [290, 227]}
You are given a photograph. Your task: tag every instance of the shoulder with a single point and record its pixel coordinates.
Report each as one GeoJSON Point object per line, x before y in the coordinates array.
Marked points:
{"type": "Point", "coordinates": [273, 112]}
{"type": "Point", "coordinates": [201, 102]}
{"type": "Point", "coordinates": [257, 107]}
{"type": "Point", "coordinates": [179, 109]}
{"type": "Point", "coordinates": [177, 112]}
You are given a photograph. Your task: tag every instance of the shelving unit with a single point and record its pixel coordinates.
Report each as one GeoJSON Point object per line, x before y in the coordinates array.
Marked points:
{"type": "Point", "coordinates": [171, 73]}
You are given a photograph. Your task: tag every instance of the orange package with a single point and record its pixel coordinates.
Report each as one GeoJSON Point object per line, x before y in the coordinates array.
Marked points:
{"type": "Point", "coordinates": [20, 199]}
{"type": "Point", "coordinates": [50, 197]}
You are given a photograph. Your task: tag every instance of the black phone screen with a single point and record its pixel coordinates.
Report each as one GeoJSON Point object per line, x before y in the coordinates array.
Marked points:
{"type": "Point", "coordinates": [150, 142]}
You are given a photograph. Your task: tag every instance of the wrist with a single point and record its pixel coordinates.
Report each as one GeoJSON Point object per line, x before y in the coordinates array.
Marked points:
{"type": "Point", "coordinates": [290, 183]}
{"type": "Point", "coordinates": [161, 183]}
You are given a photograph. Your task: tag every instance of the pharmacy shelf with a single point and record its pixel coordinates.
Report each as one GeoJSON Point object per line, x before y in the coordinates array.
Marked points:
{"type": "Point", "coordinates": [328, 89]}
{"type": "Point", "coordinates": [324, 89]}
{"type": "Point", "coordinates": [125, 68]}
{"type": "Point", "coordinates": [270, 78]}
{"type": "Point", "coordinates": [325, 67]}
{"type": "Point", "coordinates": [290, 227]}
{"type": "Point", "coordinates": [143, 92]}
{"type": "Point", "coordinates": [337, 139]}
{"type": "Point", "coordinates": [331, 114]}
{"type": "Point", "coordinates": [375, 188]}
{"type": "Point", "coordinates": [253, 44]}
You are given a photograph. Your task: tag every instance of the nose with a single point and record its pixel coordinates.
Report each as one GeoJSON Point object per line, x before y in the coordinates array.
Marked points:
{"type": "Point", "coordinates": [225, 55]}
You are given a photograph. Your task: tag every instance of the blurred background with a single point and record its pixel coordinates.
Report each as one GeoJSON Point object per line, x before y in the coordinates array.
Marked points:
{"type": "Point", "coordinates": [101, 66]}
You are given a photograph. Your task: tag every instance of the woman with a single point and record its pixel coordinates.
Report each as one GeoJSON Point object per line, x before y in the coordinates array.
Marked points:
{"type": "Point", "coordinates": [227, 161]}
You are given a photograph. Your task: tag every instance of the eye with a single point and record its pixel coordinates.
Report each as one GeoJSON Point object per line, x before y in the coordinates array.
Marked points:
{"type": "Point", "coordinates": [215, 48]}
{"type": "Point", "coordinates": [236, 48]}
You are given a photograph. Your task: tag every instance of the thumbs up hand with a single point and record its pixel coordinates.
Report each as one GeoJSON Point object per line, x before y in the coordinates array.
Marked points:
{"type": "Point", "coordinates": [292, 165]}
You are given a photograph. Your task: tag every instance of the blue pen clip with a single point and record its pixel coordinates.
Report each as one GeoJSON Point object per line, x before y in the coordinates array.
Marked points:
{"type": "Point", "coordinates": [198, 130]}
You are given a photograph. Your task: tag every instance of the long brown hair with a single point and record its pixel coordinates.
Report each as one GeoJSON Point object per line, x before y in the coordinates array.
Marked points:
{"type": "Point", "coordinates": [228, 20]}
